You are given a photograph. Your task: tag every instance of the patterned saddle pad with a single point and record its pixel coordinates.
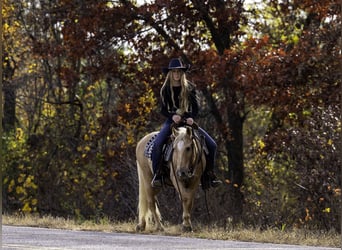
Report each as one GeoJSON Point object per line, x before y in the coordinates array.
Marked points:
{"type": "Point", "coordinates": [167, 148]}
{"type": "Point", "coordinates": [149, 147]}
{"type": "Point", "coordinates": [166, 151]}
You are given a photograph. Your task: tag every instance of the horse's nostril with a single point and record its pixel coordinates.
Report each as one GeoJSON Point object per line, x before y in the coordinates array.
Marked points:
{"type": "Point", "coordinates": [181, 173]}
{"type": "Point", "coordinates": [184, 173]}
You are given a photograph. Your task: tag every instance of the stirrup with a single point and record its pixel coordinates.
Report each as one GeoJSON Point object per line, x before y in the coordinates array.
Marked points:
{"type": "Point", "coordinates": [156, 181]}
{"type": "Point", "coordinates": [215, 183]}
{"type": "Point", "coordinates": [213, 180]}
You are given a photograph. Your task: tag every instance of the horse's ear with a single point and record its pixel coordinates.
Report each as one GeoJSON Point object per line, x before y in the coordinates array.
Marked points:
{"type": "Point", "coordinates": [189, 131]}
{"type": "Point", "coordinates": [174, 132]}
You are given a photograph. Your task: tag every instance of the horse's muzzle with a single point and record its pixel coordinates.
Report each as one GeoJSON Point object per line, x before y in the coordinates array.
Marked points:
{"type": "Point", "coordinates": [184, 173]}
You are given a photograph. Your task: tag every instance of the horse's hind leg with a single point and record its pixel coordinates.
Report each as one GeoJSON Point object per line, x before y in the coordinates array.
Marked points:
{"type": "Point", "coordinates": [141, 225]}
{"type": "Point", "coordinates": [155, 213]}
{"type": "Point", "coordinates": [147, 202]}
{"type": "Point", "coordinates": [142, 212]}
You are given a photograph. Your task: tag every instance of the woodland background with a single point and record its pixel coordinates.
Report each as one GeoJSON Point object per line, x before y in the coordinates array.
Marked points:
{"type": "Point", "coordinates": [81, 84]}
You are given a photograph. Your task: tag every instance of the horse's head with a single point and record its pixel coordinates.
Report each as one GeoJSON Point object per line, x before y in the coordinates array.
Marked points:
{"type": "Point", "coordinates": [184, 152]}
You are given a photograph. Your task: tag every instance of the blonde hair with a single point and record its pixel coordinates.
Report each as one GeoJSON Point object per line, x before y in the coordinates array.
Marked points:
{"type": "Point", "coordinates": [184, 95]}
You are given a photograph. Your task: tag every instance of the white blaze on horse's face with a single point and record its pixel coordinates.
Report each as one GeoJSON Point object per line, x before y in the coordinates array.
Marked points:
{"type": "Point", "coordinates": [180, 145]}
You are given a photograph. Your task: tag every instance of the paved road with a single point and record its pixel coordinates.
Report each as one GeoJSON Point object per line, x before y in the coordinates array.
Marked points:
{"type": "Point", "coordinates": [31, 238]}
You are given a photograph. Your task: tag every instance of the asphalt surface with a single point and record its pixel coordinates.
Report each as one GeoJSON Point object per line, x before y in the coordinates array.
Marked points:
{"type": "Point", "coordinates": [32, 238]}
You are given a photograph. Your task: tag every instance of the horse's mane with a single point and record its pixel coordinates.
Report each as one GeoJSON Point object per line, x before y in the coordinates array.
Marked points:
{"type": "Point", "coordinates": [181, 133]}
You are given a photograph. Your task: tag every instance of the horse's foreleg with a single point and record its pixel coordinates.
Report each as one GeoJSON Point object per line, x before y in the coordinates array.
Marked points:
{"type": "Point", "coordinates": [187, 208]}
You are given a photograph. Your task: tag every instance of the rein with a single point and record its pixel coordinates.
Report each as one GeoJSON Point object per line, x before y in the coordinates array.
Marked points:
{"type": "Point", "coordinates": [198, 139]}
{"type": "Point", "coordinates": [201, 142]}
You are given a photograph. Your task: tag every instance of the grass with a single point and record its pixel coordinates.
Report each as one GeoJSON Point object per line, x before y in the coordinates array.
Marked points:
{"type": "Point", "coordinates": [294, 236]}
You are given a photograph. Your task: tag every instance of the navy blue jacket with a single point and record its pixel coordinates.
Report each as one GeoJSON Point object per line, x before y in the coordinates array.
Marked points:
{"type": "Point", "coordinates": [167, 108]}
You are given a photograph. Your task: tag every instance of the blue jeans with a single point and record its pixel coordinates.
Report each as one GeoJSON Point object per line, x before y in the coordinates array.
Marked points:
{"type": "Point", "coordinates": [162, 138]}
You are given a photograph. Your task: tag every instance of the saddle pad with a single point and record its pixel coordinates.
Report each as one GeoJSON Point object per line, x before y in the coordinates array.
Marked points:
{"type": "Point", "coordinates": [168, 151]}
{"type": "Point", "coordinates": [149, 147]}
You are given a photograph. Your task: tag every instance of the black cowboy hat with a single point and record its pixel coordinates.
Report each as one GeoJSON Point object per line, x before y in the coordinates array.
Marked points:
{"type": "Point", "coordinates": [176, 63]}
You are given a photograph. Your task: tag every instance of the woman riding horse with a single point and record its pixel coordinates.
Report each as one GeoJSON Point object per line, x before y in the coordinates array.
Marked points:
{"type": "Point", "coordinates": [179, 102]}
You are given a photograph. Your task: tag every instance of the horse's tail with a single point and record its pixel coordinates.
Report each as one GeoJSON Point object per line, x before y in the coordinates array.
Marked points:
{"type": "Point", "coordinates": [145, 214]}
{"type": "Point", "coordinates": [143, 204]}
{"type": "Point", "coordinates": [148, 210]}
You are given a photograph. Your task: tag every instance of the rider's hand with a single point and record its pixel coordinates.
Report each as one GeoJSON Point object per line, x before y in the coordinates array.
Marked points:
{"type": "Point", "coordinates": [190, 121]}
{"type": "Point", "coordinates": [176, 118]}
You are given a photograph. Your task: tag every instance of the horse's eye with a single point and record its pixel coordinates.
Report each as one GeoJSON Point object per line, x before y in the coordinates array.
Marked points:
{"type": "Point", "coordinates": [188, 149]}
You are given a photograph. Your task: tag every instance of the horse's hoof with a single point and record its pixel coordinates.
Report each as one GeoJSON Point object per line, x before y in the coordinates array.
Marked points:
{"type": "Point", "coordinates": [139, 228]}
{"type": "Point", "coordinates": [186, 229]}
{"type": "Point", "coordinates": [160, 229]}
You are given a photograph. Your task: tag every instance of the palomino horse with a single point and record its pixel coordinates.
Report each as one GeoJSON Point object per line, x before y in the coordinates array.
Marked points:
{"type": "Point", "coordinates": [186, 167]}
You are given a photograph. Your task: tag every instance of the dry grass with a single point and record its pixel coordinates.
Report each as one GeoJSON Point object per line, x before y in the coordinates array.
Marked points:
{"type": "Point", "coordinates": [295, 237]}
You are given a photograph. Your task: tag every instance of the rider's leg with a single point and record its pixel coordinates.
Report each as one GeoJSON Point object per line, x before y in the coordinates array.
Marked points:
{"type": "Point", "coordinates": [209, 175]}
{"type": "Point", "coordinates": [160, 140]}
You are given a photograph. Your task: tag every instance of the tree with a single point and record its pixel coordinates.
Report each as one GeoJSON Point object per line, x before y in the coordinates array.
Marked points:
{"type": "Point", "coordinates": [202, 33]}
{"type": "Point", "coordinates": [304, 64]}
{"type": "Point", "coordinates": [90, 87]}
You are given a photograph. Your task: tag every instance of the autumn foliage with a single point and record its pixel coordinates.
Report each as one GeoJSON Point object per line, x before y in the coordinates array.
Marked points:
{"type": "Point", "coordinates": [81, 84]}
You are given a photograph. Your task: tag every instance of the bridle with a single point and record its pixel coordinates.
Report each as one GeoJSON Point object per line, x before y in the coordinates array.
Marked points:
{"type": "Point", "coordinates": [197, 144]}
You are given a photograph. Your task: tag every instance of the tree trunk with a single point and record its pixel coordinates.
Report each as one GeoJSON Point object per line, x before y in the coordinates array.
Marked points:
{"type": "Point", "coordinates": [9, 108]}
{"type": "Point", "coordinates": [234, 146]}
{"type": "Point", "coordinates": [9, 91]}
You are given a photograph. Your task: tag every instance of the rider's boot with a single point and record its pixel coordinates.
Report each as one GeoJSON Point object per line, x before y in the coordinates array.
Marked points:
{"type": "Point", "coordinates": [213, 180]}
{"type": "Point", "coordinates": [209, 179]}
